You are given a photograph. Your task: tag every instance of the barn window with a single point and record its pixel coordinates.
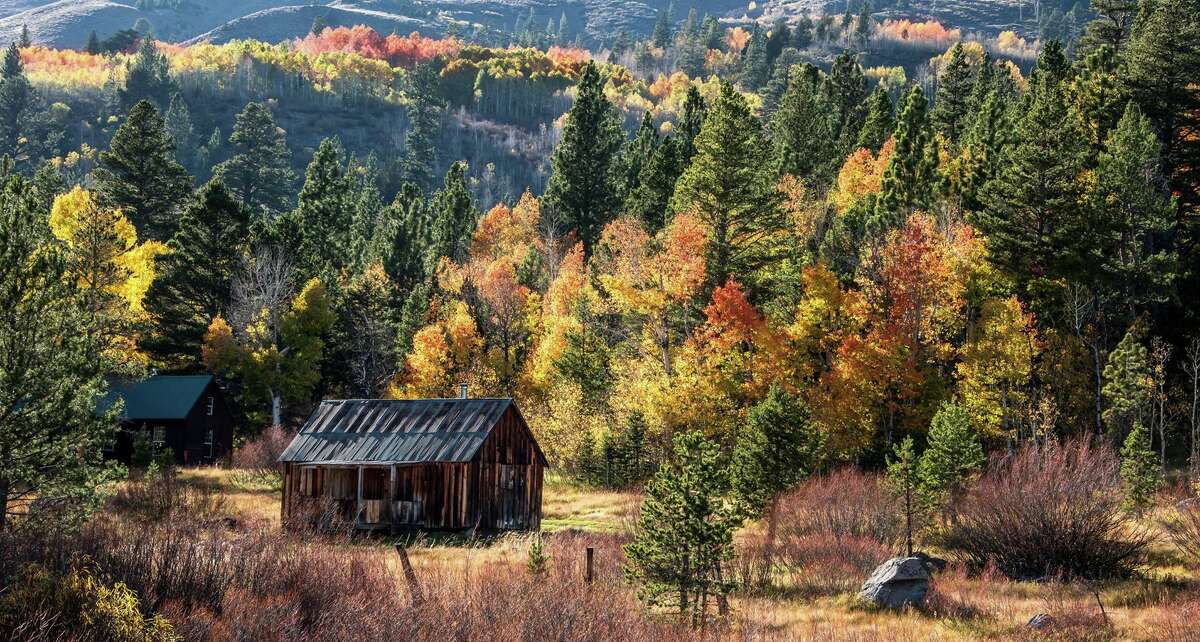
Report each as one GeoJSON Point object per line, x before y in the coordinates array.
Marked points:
{"type": "Point", "coordinates": [209, 408]}
{"type": "Point", "coordinates": [508, 477]}
{"type": "Point", "coordinates": [160, 436]}
{"type": "Point", "coordinates": [208, 441]}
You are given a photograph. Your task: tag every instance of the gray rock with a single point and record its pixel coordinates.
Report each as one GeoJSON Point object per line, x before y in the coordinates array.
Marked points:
{"type": "Point", "coordinates": [898, 582]}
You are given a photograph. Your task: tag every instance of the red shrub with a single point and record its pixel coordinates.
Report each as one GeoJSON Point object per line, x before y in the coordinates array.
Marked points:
{"type": "Point", "coordinates": [261, 454]}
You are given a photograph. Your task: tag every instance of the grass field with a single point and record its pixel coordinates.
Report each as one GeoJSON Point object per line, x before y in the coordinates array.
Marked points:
{"type": "Point", "coordinates": [810, 603]}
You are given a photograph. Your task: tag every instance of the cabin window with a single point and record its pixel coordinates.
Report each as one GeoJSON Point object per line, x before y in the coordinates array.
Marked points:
{"type": "Point", "coordinates": [208, 441]}
{"type": "Point", "coordinates": [508, 477]}
{"type": "Point", "coordinates": [160, 436]}
{"type": "Point", "coordinates": [210, 405]}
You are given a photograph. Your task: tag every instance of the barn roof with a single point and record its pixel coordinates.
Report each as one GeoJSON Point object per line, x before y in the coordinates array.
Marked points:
{"type": "Point", "coordinates": [396, 431]}
{"type": "Point", "coordinates": [158, 397]}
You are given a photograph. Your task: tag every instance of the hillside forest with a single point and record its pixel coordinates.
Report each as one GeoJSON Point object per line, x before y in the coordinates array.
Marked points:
{"type": "Point", "coordinates": [893, 235]}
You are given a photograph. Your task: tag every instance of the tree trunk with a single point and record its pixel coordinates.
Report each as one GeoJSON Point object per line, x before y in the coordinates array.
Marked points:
{"type": "Point", "coordinates": [276, 409]}
{"type": "Point", "coordinates": [3, 503]}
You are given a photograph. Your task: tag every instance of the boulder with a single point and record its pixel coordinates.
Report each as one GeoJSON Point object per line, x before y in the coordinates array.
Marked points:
{"type": "Point", "coordinates": [898, 582]}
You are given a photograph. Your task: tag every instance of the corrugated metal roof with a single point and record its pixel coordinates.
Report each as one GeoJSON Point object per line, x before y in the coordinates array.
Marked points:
{"type": "Point", "coordinates": [158, 397]}
{"type": "Point", "coordinates": [397, 431]}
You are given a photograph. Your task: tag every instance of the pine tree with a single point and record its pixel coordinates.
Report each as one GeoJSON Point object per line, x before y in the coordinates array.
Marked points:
{"type": "Point", "coordinates": [316, 234]}
{"type": "Point", "coordinates": [147, 77]}
{"type": "Point", "coordinates": [690, 124]}
{"type": "Point", "coordinates": [454, 217]}
{"type": "Point", "coordinates": [260, 173]}
{"type": "Point", "coordinates": [50, 442]}
{"type": "Point", "coordinates": [1032, 212]}
{"type": "Point", "coordinates": [903, 480]}
{"type": "Point", "coordinates": [650, 200]}
{"type": "Point", "coordinates": [908, 179]}
{"type": "Point", "coordinates": [179, 125]}
{"type": "Point", "coordinates": [637, 154]}
{"type": "Point", "coordinates": [729, 185]}
{"type": "Point", "coordinates": [800, 130]}
{"type": "Point", "coordinates": [778, 447]}
{"type": "Point", "coordinates": [1127, 383]}
{"type": "Point", "coordinates": [756, 67]}
{"type": "Point", "coordinates": [862, 26]}
{"type": "Point", "coordinates": [880, 122]}
{"type": "Point", "coordinates": [952, 103]}
{"type": "Point", "coordinates": [424, 113]}
{"type": "Point", "coordinates": [952, 457]}
{"type": "Point", "coordinates": [685, 531]}
{"type": "Point", "coordinates": [1133, 216]}
{"type": "Point", "coordinates": [845, 90]}
{"type": "Point", "coordinates": [195, 278]}
{"type": "Point", "coordinates": [1140, 470]}
{"type": "Point", "coordinates": [402, 236]}
{"type": "Point", "coordinates": [1162, 62]}
{"type": "Point", "coordinates": [26, 40]}
{"type": "Point", "coordinates": [662, 29]}
{"type": "Point", "coordinates": [582, 191]}
{"type": "Point", "coordinates": [93, 44]}
{"type": "Point", "coordinates": [1114, 20]}
{"type": "Point", "coordinates": [983, 146]}
{"type": "Point", "coordinates": [139, 173]}
{"type": "Point", "coordinates": [15, 97]}
{"type": "Point", "coordinates": [1099, 94]}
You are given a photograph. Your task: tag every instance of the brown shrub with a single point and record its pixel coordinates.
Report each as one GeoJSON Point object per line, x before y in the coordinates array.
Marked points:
{"type": "Point", "coordinates": [1049, 510]}
{"type": "Point", "coordinates": [161, 496]}
{"type": "Point", "coordinates": [261, 454]}
{"type": "Point", "coordinates": [1183, 527]}
{"type": "Point", "coordinates": [844, 502]}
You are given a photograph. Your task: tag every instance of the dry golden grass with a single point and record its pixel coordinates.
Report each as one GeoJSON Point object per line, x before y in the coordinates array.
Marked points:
{"type": "Point", "coordinates": [1164, 604]}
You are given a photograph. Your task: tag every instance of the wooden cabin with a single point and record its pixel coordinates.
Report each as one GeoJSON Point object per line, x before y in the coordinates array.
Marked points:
{"type": "Point", "coordinates": [436, 464]}
{"type": "Point", "coordinates": [187, 414]}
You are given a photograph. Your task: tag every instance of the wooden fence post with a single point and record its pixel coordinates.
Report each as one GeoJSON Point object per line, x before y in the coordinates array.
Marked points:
{"type": "Point", "coordinates": [410, 576]}
{"type": "Point", "coordinates": [588, 572]}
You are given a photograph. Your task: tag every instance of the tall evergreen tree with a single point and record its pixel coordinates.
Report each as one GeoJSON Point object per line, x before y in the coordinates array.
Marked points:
{"type": "Point", "coordinates": [880, 122]}
{"type": "Point", "coordinates": [637, 154]}
{"type": "Point", "coordinates": [51, 437]}
{"type": "Point", "coordinates": [685, 531]}
{"type": "Point", "coordinates": [178, 120]}
{"type": "Point", "coordinates": [1133, 216]}
{"type": "Point", "coordinates": [147, 77]}
{"type": "Point", "coordinates": [316, 234]}
{"type": "Point", "coordinates": [424, 113]}
{"type": "Point", "coordinates": [1032, 211]}
{"type": "Point", "coordinates": [582, 192]}
{"type": "Point", "coordinates": [93, 44]}
{"type": "Point", "coordinates": [139, 173]}
{"type": "Point", "coordinates": [845, 90]}
{"type": "Point", "coordinates": [908, 179]}
{"type": "Point", "coordinates": [662, 29]}
{"type": "Point", "coordinates": [731, 187]}
{"type": "Point", "coordinates": [195, 278]}
{"type": "Point", "coordinates": [800, 130]}
{"type": "Point", "coordinates": [1127, 383]}
{"type": "Point", "coordinates": [690, 123]}
{"type": "Point", "coordinates": [1140, 470]}
{"type": "Point", "coordinates": [15, 94]}
{"type": "Point", "coordinates": [1099, 94]}
{"type": "Point", "coordinates": [402, 236]}
{"type": "Point", "coordinates": [756, 67]}
{"type": "Point", "coordinates": [904, 481]}
{"type": "Point", "coordinates": [650, 201]}
{"type": "Point", "coordinates": [454, 218]}
{"type": "Point", "coordinates": [778, 447]}
{"type": "Point", "coordinates": [260, 173]}
{"type": "Point", "coordinates": [1162, 63]}
{"type": "Point", "coordinates": [952, 103]}
{"type": "Point", "coordinates": [1114, 21]}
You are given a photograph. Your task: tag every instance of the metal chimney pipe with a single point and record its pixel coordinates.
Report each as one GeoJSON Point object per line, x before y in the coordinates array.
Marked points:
{"type": "Point", "coordinates": [462, 391]}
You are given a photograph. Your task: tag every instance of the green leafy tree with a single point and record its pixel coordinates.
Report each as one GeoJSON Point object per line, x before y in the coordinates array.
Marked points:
{"type": "Point", "coordinates": [800, 129]}
{"type": "Point", "coordinates": [778, 447]}
{"type": "Point", "coordinates": [51, 437]}
{"type": "Point", "coordinates": [880, 122]}
{"type": "Point", "coordinates": [731, 187]}
{"type": "Point", "coordinates": [953, 456]}
{"type": "Point", "coordinates": [685, 531]}
{"type": "Point", "coordinates": [582, 192]}
{"type": "Point", "coordinates": [904, 481]}
{"type": "Point", "coordinates": [139, 173]}
{"type": "Point", "coordinates": [1140, 469]}
{"type": "Point", "coordinates": [910, 174]}
{"type": "Point", "coordinates": [195, 278]}
{"type": "Point", "coordinates": [1128, 383]}
{"type": "Point", "coordinates": [259, 174]}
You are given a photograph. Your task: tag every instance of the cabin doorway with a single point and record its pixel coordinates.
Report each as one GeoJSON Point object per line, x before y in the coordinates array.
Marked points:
{"type": "Point", "coordinates": [513, 493]}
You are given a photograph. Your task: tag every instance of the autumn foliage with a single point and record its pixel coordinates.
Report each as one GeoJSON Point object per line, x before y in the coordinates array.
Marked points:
{"type": "Point", "coordinates": [398, 51]}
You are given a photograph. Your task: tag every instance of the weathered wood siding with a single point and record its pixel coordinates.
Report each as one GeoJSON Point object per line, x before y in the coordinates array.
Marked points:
{"type": "Point", "coordinates": [509, 477]}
